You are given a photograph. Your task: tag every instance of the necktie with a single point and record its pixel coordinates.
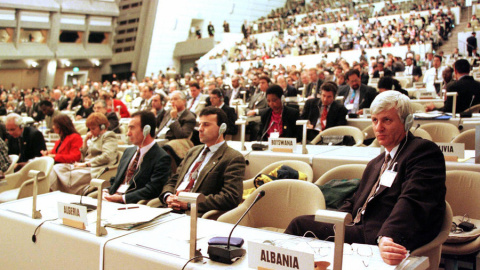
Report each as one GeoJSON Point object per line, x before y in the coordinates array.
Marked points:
{"type": "Point", "coordinates": [324, 117]}
{"type": "Point", "coordinates": [194, 173]}
{"type": "Point", "coordinates": [133, 167]}
{"type": "Point", "coordinates": [358, 217]}
{"type": "Point", "coordinates": [191, 105]}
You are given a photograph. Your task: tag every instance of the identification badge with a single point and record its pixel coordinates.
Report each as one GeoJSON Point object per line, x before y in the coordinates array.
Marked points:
{"type": "Point", "coordinates": [349, 106]}
{"type": "Point", "coordinates": [387, 178]}
{"type": "Point", "coordinates": [122, 189]}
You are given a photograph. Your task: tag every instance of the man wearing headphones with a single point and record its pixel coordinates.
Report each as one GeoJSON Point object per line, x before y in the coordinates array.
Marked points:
{"type": "Point", "coordinates": [26, 142]}
{"type": "Point", "coordinates": [144, 168]}
{"type": "Point", "coordinates": [213, 169]}
{"type": "Point", "coordinates": [400, 203]}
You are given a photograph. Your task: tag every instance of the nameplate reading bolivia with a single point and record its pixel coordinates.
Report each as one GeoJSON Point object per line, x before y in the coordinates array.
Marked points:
{"type": "Point", "coordinates": [278, 258]}
{"type": "Point", "coordinates": [452, 149]}
{"type": "Point", "coordinates": [73, 215]}
{"type": "Point", "coordinates": [282, 144]}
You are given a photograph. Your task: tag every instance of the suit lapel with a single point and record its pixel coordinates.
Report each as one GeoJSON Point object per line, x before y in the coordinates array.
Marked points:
{"type": "Point", "coordinates": [209, 166]}
{"type": "Point", "coordinates": [187, 165]}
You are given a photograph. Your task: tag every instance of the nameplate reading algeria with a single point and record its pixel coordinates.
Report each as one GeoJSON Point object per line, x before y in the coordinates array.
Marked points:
{"type": "Point", "coordinates": [452, 149]}
{"type": "Point", "coordinates": [72, 212]}
{"type": "Point", "coordinates": [278, 258]}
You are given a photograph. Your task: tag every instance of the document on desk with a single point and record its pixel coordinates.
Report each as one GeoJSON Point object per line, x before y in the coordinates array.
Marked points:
{"type": "Point", "coordinates": [128, 218]}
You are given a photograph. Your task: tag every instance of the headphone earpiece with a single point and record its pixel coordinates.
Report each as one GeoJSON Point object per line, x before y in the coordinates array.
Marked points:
{"type": "Point", "coordinates": [223, 128]}
{"type": "Point", "coordinates": [146, 130]}
{"type": "Point", "coordinates": [408, 122]}
{"type": "Point", "coordinates": [102, 127]}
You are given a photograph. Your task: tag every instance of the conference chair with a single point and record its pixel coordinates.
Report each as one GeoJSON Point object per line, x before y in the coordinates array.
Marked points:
{"type": "Point", "coordinates": [107, 173]}
{"type": "Point", "coordinates": [368, 134]}
{"type": "Point", "coordinates": [474, 109]}
{"type": "Point", "coordinates": [463, 191]}
{"type": "Point", "coordinates": [355, 132]}
{"type": "Point", "coordinates": [298, 165]}
{"type": "Point", "coordinates": [283, 201]}
{"type": "Point", "coordinates": [467, 137]}
{"type": "Point", "coordinates": [347, 171]}
{"type": "Point", "coordinates": [14, 160]}
{"type": "Point", "coordinates": [418, 132]}
{"type": "Point", "coordinates": [20, 185]}
{"type": "Point", "coordinates": [433, 250]}
{"type": "Point", "coordinates": [441, 132]}
{"type": "Point", "coordinates": [418, 107]}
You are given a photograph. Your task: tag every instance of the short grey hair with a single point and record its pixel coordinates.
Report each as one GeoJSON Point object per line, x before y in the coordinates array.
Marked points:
{"type": "Point", "coordinates": [181, 94]}
{"type": "Point", "coordinates": [102, 101]}
{"type": "Point", "coordinates": [17, 119]}
{"type": "Point", "coordinates": [392, 99]}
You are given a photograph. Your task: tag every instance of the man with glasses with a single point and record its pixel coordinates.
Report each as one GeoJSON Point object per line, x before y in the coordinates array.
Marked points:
{"type": "Point", "coordinates": [357, 95]}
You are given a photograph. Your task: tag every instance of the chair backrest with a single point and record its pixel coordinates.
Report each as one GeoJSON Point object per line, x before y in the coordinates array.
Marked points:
{"type": "Point", "coordinates": [420, 132]}
{"type": "Point", "coordinates": [368, 132]}
{"type": "Point", "coordinates": [298, 165]}
{"type": "Point", "coordinates": [44, 164]}
{"type": "Point", "coordinates": [463, 191]}
{"type": "Point", "coordinates": [418, 107]}
{"type": "Point", "coordinates": [467, 137]}
{"type": "Point", "coordinates": [348, 171]}
{"type": "Point", "coordinates": [14, 160]}
{"type": "Point", "coordinates": [355, 132]}
{"type": "Point", "coordinates": [441, 132]}
{"type": "Point", "coordinates": [474, 108]}
{"type": "Point", "coordinates": [433, 250]}
{"type": "Point", "coordinates": [283, 201]}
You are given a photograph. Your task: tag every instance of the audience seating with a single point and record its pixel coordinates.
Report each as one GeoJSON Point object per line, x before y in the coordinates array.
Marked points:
{"type": "Point", "coordinates": [106, 175]}
{"type": "Point", "coordinates": [348, 171]}
{"type": "Point", "coordinates": [463, 191]}
{"type": "Point", "coordinates": [441, 132]}
{"type": "Point", "coordinates": [282, 201]}
{"type": "Point", "coordinates": [433, 250]}
{"type": "Point", "coordinates": [474, 109]}
{"type": "Point", "coordinates": [14, 160]}
{"type": "Point", "coordinates": [467, 137]}
{"type": "Point", "coordinates": [418, 107]}
{"type": "Point", "coordinates": [355, 132]}
{"type": "Point", "coordinates": [20, 185]}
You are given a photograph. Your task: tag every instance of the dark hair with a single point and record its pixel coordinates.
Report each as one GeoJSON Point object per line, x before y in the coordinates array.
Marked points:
{"type": "Point", "coordinates": [462, 66]}
{"type": "Point", "coordinates": [352, 72]}
{"type": "Point", "coordinates": [385, 82]}
{"type": "Point", "coordinates": [45, 103]}
{"type": "Point", "coordinates": [264, 78]}
{"type": "Point", "coordinates": [221, 116]}
{"type": "Point", "coordinates": [217, 92]}
{"type": "Point", "coordinates": [276, 90]}
{"type": "Point", "coordinates": [329, 87]}
{"type": "Point", "coordinates": [65, 125]}
{"type": "Point", "coordinates": [147, 118]}
{"type": "Point", "coordinates": [438, 56]}
{"type": "Point", "coordinates": [194, 84]}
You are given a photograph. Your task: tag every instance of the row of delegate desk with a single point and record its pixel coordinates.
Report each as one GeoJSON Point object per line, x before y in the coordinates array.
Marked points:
{"type": "Point", "coordinates": [161, 245]}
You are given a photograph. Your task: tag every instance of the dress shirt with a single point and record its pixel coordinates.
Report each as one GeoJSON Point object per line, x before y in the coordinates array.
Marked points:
{"type": "Point", "coordinates": [353, 95]}
{"type": "Point", "coordinates": [318, 126]}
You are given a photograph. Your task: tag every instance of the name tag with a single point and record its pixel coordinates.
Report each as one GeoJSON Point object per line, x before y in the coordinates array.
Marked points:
{"type": "Point", "coordinates": [122, 189]}
{"type": "Point", "coordinates": [387, 178]}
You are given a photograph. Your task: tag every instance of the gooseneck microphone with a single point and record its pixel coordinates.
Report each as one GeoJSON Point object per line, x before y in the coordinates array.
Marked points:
{"type": "Point", "coordinates": [90, 207]}
{"type": "Point", "coordinates": [228, 253]}
{"type": "Point", "coordinates": [260, 146]}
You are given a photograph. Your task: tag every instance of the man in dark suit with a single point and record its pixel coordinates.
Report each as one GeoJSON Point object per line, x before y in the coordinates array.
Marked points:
{"type": "Point", "coordinates": [277, 118]}
{"type": "Point", "coordinates": [288, 90]}
{"type": "Point", "coordinates": [357, 96]}
{"type": "Point", "coordinates": [216, 97]}
{"type": "Point", "coordinates": [400, 203]}
{"type": "Point", "coordinates": [380, 68]}
{"type": "Point", "coordinates": [467, 88]}
{"type": "Point", "coordinates": [144, 169]}
{"type": "Point", "coordinates": [26, 142]}
{"type": "Point", "coordinates": [179, 122]}
{"type": "Point", "coordinates": [412, 70]}
{"type": "Point", "coordinates": [323, 112]}
{"type": "Point", "coordinates": [472, 44]}
{"type": "Point", "coordinates": [213, 169]}
{"type": "Point", "coordinates": [158, 109]}
{"type": "Point", "coordinates": [257, 102]}
{"type": "Point", "coordinates": [315, 82]}
{"type": "Point", "coordinates": [237, 89]}
{"type": "Point", "coordinates": [100, 106]}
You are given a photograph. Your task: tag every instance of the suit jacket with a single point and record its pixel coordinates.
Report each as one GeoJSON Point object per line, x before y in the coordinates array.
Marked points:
{"type": "Point", "coordinates": [367, 95]}
{"type": "Point", "coordinates": [466, 88]}
{"type": "Point", "coordinates": [416, 70]}
{"type": "Point", "coordinates": [311, 86]}
{"type": "Point", "coordinates": [32, 143]}
{"type": "Point", "coordinates": [114, 123]}
{"type": "Point", "coordinates": [149, 177]}
{"type": "Point", "coordinates": [386, 72]}
{"type": "Point", "coordinates": [69, 149]}
{"type": "Point", "coordinates": [85, 112]}
{"type": "Point", "coordinates": [411, 211]}
{"type": "Point", "coordinates": [290, 91]}
{"type": "Point", "coordinates": [199, 106]}
{"type": "Point", "coordinates": [220, 180]}
{"type": "Point", "coordinates": [471, 43]}
{"type": "Point", "coordinates": [289, 126]}
{"type": "Point", "coordinates": [159, 117]}
{"type": "Point", "coordinates": [180, 129]}
{"type": "Point", "coordinates": [258, 101]}
{"type": "Point", "coordinates": [336, 113]}
{"type": "Point", "coordinates": [62, 103]}
{"type": "Point", "coordinates": [232, 129]}
{"type": "Point", "coordinates": [101, 152]}
{"type": "Point", "coordinates": [36, 113]}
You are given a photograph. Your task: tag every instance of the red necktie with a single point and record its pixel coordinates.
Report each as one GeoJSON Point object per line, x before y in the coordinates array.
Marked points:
{"type": "Point", "coordinates": [324, 117]}
{"type": "Point", "coordinates": [194, 173]}
{"type": "Point", "coordinates": [133, 167]}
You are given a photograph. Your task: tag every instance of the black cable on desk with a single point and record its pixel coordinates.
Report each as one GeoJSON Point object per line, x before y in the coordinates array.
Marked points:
{"type": "Point", "coordinates": [34, 236]}
{"type": "Point", "coordinates": [196, 257]}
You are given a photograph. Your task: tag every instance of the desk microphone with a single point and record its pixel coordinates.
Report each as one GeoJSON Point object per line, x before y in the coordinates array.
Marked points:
{"type": "Point", "coordinates": [90, 207]}
{"type": "Point", "coordinates": [260, 146]}
{"type": "Point", "coordinates": [225, 252]}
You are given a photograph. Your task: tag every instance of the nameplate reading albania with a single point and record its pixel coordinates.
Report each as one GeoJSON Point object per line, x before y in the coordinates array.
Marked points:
{"type": "Point", "coordinates": [278, 258]}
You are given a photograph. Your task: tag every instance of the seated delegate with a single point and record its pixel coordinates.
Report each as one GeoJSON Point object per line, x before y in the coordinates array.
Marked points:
{"type": "Point", "coordinates": [67, 149]}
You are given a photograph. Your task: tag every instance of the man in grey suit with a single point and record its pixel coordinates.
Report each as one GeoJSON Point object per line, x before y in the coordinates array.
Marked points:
{"type": "Point", "coordinates": [179, 122]}
{"type": "Point", "coordinates": [144, 168]}
{"type": "Point", "coordinates": [213, 169]}
{"type": "Point", "coordinates": [357, 95]}
{"type": "Point", "coordinates": [257, 102]}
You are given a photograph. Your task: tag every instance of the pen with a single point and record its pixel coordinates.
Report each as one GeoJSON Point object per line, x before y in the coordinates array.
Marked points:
{"type": "Point", "coordinates": [126, 208]}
